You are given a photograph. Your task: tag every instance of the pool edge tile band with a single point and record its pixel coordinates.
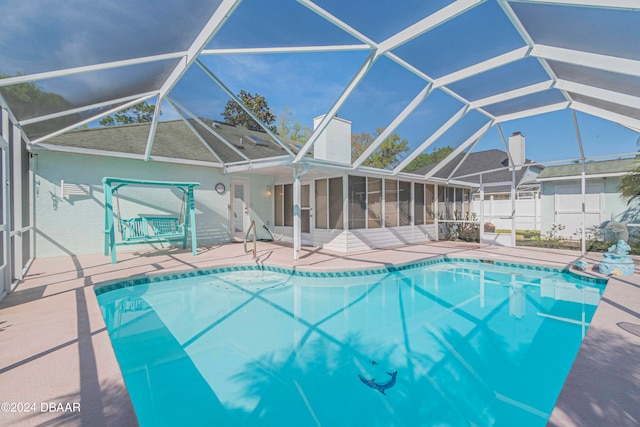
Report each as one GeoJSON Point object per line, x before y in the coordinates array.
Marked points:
{"type": "Point", "coordinates": [104, 287]}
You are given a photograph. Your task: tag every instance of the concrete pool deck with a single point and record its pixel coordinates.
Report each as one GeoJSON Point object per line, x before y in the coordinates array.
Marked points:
{"type": "Point", "coordinates": [54, 347]}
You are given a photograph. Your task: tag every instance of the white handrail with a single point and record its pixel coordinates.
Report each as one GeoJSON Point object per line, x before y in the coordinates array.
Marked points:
{"type": "Point", "coordinates": [253, 225]}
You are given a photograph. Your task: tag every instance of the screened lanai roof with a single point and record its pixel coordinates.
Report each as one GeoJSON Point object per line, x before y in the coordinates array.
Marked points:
{"type": "Point", "coordinates": [440, 73]}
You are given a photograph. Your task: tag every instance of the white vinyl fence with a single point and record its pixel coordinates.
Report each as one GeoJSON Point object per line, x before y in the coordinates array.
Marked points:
{"type": "Point", "coordinates": [498, 213]}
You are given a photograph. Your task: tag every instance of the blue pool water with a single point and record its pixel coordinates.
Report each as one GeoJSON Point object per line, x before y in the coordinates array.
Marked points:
{"type": "Point", "coordinates": [472, 344]}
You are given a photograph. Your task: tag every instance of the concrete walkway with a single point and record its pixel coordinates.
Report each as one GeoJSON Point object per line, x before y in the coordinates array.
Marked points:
{"type": "Point", "coordinates": [54, 347]}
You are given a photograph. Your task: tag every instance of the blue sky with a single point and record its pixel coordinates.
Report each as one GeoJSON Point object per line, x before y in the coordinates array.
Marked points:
{"type": "Point", "coordinates": [309, 83]}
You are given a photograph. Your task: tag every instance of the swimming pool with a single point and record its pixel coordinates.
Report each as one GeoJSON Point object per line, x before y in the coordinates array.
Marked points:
{"type": "Point", "coordinates": [472, 344]}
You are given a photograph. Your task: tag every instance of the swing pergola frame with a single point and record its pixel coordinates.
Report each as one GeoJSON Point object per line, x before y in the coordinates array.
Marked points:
{"type": "Point", "coordinates": [159, 234]}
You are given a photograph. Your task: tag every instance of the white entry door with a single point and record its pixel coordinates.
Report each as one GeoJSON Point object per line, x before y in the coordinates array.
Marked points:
{"type": "Point", "coordinates": [240, 218]}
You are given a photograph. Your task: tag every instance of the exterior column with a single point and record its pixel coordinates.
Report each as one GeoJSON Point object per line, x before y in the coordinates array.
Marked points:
{"type": "Point", "coordinates": [583, 182]}
{"type": "Point", "coordinates": [345, 210]}
{"type": "Point", "coordinates": [16, 146]}
{"type": "Point", "coordinates": [297, 233]}
{"type": "Point", "coordinates": [481, 210]}
{"type": "Point", "coordinates": [108, 213]}
{"type": "Point", "coordinates": [513, 207]}
{"type": "Point", "coordinates": [435, 211]}
{"type": "Point", "coordinates": [192, 221]}
{"type": "Point", "coordinates": [5, 274]}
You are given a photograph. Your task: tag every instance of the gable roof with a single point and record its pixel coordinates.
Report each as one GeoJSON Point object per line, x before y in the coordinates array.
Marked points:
{"type": "Point", "coordinates": [174, 139]}
{"type": "Point", "coordinates": [607, 167]}
{"type": "Point", "coordinates": [479, 162]}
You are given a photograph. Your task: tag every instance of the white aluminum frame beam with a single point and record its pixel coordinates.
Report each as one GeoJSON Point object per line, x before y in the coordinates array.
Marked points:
{"type": "Point", "coordinates": [603, 94]}
{"type": "Point", "coordinates": [533, 112]}
{"type": "Point", "coordinates": [504, 143]}
{"type": "Point", "coordinates": [472, 139]}
{"type": "Point", "coordinates": [464, 158]}
{"type": "Point", "coordinates": [524, 33]}
{"type": "Point", "coordinates": [183, 109]}
{"type": "Point", "coordinates": [364, 68]}
{"type": "Point", "coordinates": [285, 49]}
{"type": "Point", "coordinates": [428, 79]}
{"type": "Point", "coordinates": [583, 185]}
{"type": "Point", "coordinates": [152, 129]}
{"type": "Point", "coordinates": [120, 155]}
{"type": "Point", "coordinates": [195, 132]}
{"type": "Point", "coordinates": [417, 100]}
{"type": "Point", "coordinates": [437, 134]}
{"type": "Point", "coordinates": [338, 22]}
{"type": "Point", "coordinates": [512, 94]}
{"type": "Point", "coordinates": [258, 164]}
{"type": "Point", "coordinates": [606, 114]}
{"type": "Point", "coordinates": [598, 61]}
{"type": "Point", "coordinates": [253, 115]}
{"type": "Point", "coordinates": [90, 119]}
{"type": "Point", "coordinates": [606, 4]}
{"type": "Point", "coordinates": [437, 18]}
{"type": "Point", "coordinates": [219, 17]}
{"type": "Point", "coordinates": [481, 67]}
{"type": "Point", "coordinates": [85, 108]}
{"type": "Point", "coordinates": [88, 68]}
{"type": "Point", "coordinates": [578, 136]}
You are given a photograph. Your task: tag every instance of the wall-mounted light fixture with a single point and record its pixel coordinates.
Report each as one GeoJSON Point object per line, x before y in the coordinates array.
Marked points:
{"type": "Point", "coordinates": [268, 191]}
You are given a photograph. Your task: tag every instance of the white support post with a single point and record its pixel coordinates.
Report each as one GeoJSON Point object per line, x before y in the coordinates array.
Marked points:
{"type": "Point", "coordinates": [6, 206]}
{"type": "Point", "coordinates": [16, 146]}
{"type": "Point", "coordinates": [32, 209]}
{"type": "Point", "coordinates": [152, 130]}
{"type": "Point", "coordinates": [513, 207]}
{"type": "Point", "coordinates": [383, 210]}
{"type": "Point", "coordinates": [412, 209]}
{"type": "Point", "coordinates": [583, 184]}
{"type": "Point", "coordinates": [435, 210]}
{"type": "Point", "coordinates": [481, 210]}
{"type": "Point", "coordinates": [536, 211]}
{"type": "Point", "coordinates": [297, 234]}
{"type": "Point", "coordinates": [345, 210]}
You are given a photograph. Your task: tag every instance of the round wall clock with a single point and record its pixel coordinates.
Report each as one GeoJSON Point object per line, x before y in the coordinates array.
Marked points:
{"type": "Point", "coordinates": [220, 188]}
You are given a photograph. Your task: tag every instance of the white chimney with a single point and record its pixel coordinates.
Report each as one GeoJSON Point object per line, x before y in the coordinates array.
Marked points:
{"type": "Point", "coordinates": [334, 143]}
{"type": "Point", "coordinates": [516, 149]}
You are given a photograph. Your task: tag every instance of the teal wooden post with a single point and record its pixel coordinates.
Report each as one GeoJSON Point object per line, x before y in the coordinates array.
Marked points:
{"type": "Point", "coordinates": [109, 229]}
{"type": "Point", "coordinates": [192, 221]}
{"type": "Point", "coordinates": [112, 232]}
{"type": "Point", "coordinates": [109, 236]}
{"type": "Point", "coordinates": [107, 213]}
{"type": "Point", "coordinates": [187, 218]}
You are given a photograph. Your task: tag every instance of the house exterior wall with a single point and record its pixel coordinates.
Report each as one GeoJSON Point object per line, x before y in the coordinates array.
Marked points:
{"type": "Point", "coordinates": [364, 239]}
{"type": "Point", "coordinates": [75, 225]}
{"type": "Point", "coordinates": [352, 240]}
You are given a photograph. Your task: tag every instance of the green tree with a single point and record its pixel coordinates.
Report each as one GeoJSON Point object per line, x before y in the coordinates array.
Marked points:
{"type": "Point", "coordinates": [436, 155]}
{"type": "Point", "coordinates": [629, 186]}
{"type": "Point", "coordinates": [30, 100]}
{"type": "Point", "coordinates": [287, 128]}
{"type": "Point", "coordinates": [139, 113]}
{"type": "Point", "coordinates": [234, 114]}
{"type": "Point", "coordinates": [386, 155]}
